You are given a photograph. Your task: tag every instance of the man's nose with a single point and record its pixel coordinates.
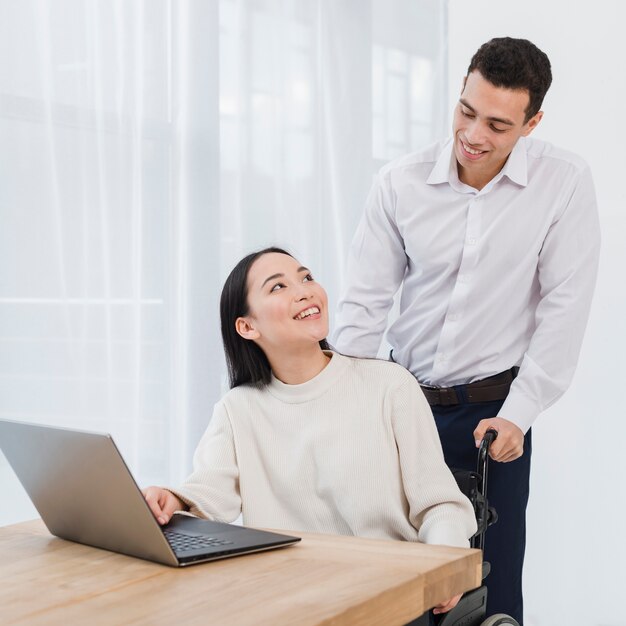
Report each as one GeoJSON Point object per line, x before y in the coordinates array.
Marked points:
{"type": "Point", "coordinates": [474, 132]}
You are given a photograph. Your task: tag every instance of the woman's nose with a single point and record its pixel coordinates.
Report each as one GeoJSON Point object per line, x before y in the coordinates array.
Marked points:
{"type": "Point", "coordinates": [303, 292]}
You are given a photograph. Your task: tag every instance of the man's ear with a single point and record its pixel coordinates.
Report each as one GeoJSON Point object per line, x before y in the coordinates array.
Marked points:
{"type": "Point", "coordinates": [531, 124]}
{"type": "Point", "coordinates": [245, 328]}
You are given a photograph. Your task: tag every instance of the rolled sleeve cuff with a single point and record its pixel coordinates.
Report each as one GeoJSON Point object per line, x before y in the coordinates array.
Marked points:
{"type": "Point", "coordinates": [520, 410]}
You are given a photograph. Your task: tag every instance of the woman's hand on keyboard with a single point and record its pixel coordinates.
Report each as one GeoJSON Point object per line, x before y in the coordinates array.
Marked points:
{"type": "Point", "coordinates": [162, 503]}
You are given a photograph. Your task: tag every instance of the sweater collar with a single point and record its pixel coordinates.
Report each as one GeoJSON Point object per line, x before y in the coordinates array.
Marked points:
{"type": "Point", "coordinates": [311, 389]}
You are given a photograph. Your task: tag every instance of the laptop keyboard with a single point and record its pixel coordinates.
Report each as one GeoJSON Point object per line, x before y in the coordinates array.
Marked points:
{"type": "Point", "coordinates": [181, 542]}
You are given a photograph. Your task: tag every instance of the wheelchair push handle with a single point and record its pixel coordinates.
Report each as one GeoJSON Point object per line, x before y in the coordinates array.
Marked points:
{"type": "Point", "coordinates": [483, 456]}
{"type": "Point", "coordinates": [482, 469]}
{"type": "Point", "coordinates": [490, 436]}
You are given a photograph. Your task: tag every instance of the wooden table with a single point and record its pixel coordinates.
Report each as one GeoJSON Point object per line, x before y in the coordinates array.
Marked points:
{"type": "Point", "coordinates": [324, 579]}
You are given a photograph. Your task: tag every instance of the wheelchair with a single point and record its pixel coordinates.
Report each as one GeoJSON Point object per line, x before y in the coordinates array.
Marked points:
{"type": "Point", "coordinates": [472, 608]}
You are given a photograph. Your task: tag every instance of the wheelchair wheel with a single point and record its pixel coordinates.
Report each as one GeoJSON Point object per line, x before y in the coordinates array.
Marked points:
{"type": "Point", "coordinates": [500, 620]}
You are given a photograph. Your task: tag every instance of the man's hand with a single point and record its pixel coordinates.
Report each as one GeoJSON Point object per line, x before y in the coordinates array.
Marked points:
{"type": "Point", "coordinates": [162, 503]}
{"type": "Point", "coordinates": [509, 444]}
{"type": "Point", "coordinates": [444, 607]}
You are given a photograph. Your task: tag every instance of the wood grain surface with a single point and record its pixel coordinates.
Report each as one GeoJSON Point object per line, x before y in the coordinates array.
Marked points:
{"type": "Point", "coordinates": [323, 580]}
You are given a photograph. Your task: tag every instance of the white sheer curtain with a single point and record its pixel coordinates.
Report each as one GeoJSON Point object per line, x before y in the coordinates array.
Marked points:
{"type": "Point", "coordinates": [314, 97]}
{"type": "Point", "coordinates": [146, 146]}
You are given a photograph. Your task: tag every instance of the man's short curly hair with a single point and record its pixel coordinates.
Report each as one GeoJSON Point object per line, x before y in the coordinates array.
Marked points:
{"type": "Point", "coordinates": [515, 64]}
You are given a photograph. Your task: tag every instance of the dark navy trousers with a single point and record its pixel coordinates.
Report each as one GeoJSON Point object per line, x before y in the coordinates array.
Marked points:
{"type": "Point", "coordinates": [507, 492]}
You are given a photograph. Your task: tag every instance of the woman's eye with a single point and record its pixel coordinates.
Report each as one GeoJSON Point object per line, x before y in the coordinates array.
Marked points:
{"type": "Point", "coordinates": [308, 278]}
{"type": "Point", "coordinates": [276, 287]}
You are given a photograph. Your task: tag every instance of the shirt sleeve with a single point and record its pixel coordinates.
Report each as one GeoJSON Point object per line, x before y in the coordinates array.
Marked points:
{"type": "Point", "coordinates": [437, 507]}
{"type": "Point", "coordinates": [212, 489]}
{"type": "Point", "coordinates": [375, 269]}
{"type": "Point", "coordinates": [567, 269]}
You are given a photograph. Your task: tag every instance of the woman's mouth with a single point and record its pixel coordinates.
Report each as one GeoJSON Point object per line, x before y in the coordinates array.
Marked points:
{"type": "Point", "coordinates": [307, 313]}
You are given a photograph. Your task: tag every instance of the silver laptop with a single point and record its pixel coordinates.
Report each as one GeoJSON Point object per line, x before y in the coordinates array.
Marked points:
{"type": "Point", "coordinates": [84, 492]}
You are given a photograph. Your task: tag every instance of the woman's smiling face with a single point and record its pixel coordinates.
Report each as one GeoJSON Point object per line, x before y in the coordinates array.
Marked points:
{"type": "Point", "coordinates": [287, 308]}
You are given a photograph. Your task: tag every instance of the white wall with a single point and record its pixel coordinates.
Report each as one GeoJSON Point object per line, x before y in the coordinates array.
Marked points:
{"type": "Point", "coordinates": [576, 546]}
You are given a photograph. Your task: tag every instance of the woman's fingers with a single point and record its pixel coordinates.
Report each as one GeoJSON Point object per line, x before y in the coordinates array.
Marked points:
{"type": "Point", "coordinates": [169, 505]}
{"type": "Point", "coordinates": [155, 497]}
{"type": "Point", "coordinates": [444, 607]}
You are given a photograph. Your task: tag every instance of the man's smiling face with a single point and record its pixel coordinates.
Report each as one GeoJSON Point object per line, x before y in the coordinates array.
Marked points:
{"type": "Point", "coordinates": [488, 121]}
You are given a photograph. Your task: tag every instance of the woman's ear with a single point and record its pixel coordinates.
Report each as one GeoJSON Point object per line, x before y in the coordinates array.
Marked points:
{"type": "Point", "coordinates": [245, 329]}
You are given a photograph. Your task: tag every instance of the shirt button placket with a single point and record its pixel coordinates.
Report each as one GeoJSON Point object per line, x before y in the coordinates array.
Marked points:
{"type": "Point", "coordinates": [469, 259]}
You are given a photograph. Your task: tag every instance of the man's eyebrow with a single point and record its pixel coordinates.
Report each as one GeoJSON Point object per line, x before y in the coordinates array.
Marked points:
{"type": "Point", "coordinates": [273, 276]}
{"type": "Point", "coordinates": [491, 119]}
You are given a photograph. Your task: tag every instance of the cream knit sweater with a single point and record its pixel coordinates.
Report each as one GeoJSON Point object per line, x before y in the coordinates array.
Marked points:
{"type": "Point", "coordinates": [354, 451]}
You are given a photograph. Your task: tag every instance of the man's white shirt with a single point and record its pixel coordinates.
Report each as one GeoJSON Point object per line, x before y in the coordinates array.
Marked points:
{"type": "Point", "coordinates": [493, 278]}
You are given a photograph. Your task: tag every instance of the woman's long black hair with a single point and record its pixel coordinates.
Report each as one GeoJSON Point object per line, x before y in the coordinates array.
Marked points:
{"type": "Point", "coordinates": [246, 362]}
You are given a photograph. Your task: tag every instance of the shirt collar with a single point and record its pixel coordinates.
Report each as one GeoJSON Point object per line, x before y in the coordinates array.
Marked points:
{"type": "Point", "coordinates": [445, 166]}
{"type": "Point", "coordinates": [515, 168]}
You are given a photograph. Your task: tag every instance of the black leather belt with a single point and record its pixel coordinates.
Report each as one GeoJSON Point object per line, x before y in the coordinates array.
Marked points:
{"type": "Point", "coordinates": [485, 390]}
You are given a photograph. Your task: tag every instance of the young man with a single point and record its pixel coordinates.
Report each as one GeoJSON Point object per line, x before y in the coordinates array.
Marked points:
{"type": "Point", "coordinates": [494, 237]}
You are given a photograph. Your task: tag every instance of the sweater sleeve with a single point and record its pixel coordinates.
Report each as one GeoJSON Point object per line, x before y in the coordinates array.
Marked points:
{"type": "Point", "coordinates": [212, 489]}
{"type": "Point", "coordinates": [437, 508]}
